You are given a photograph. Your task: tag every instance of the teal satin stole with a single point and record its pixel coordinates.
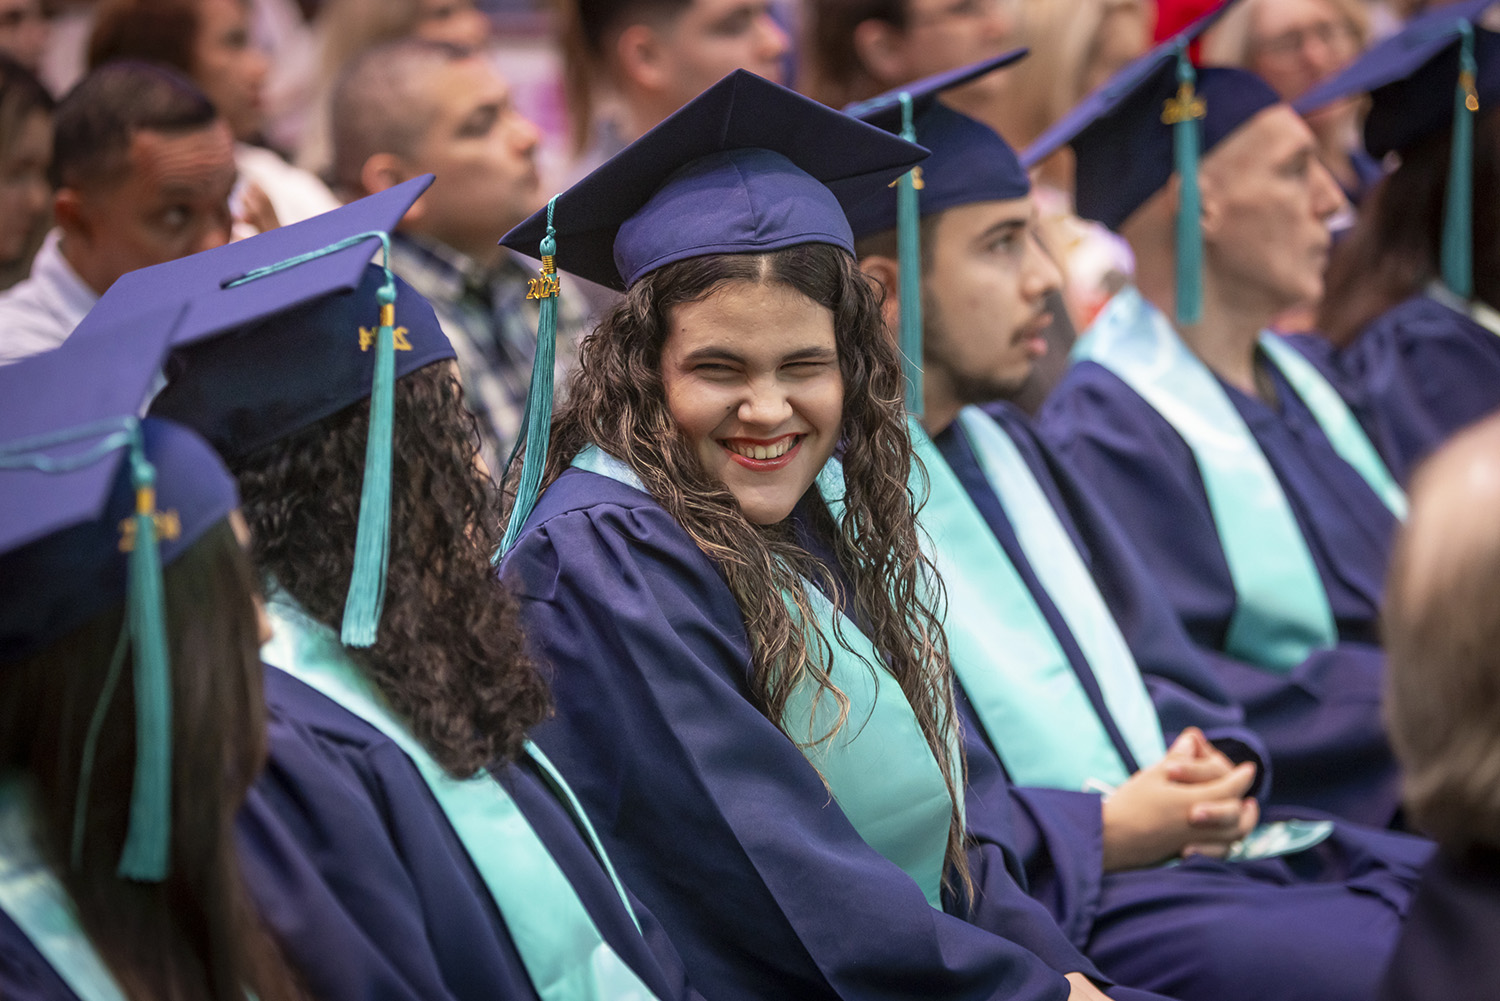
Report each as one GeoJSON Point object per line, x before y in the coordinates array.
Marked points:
{"type": "Point", "coordinates": [1281, 612]}
{"type": "Point", "coordinates": [878, 766]}
{"type": "Point", "coordinates": [564, 954]}
{"type": "Point", "coordinates": [36, 901]}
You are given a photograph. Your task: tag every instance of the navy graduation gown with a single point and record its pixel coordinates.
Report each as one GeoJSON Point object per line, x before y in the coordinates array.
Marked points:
{"type": "Point", "coordinates": [360, 876]}
{"type": "Point", "coordinates": [1448, 950]}
{"type": "Point", "coordinates": [24, 974]}
{"type": "Point", "coordinates": [1420, 372]}
{"type": "Point", "coordinates": [713, 816]}
{"type": "Point", "coordinates": [1323, 716]}
{"type": "Point", "coordinates": [1317, 926]}
{"type": "Point", "coordinates": [1190, 685]}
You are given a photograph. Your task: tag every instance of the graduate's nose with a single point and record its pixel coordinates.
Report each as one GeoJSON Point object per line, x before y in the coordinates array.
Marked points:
{"type": "Point", "coordinates": [765, 405]}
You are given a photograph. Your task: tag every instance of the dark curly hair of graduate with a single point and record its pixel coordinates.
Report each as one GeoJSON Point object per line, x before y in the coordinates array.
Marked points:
{"type": "Point", "coordinates": [616, 400]}
{"type": "Point", "coordinates": [449, 657]}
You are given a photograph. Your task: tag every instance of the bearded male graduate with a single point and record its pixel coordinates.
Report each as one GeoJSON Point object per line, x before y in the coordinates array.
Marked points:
{"type": "Point", "coordinates": [1254, 496]}
{"type": "Point", "coordinates": [1047, 675]}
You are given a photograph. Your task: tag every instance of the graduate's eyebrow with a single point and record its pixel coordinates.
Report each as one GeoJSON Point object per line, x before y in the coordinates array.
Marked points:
{"type": "Point", "coordinates": [1004, 227]}
{"type": "Point", "coordinates": [714, 352]}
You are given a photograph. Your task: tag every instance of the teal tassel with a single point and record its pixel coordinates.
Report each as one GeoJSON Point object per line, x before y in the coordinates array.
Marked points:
{"type": "Point", "coordinates": [146, 856]}
{"type": "Point", "coordinates": [1458, 216]}
{"type": "Point", "coordinates": [147, 853]}
{"type": "Point", "coordinates": [909, 252]}
{"type": "Point", "coordinates": [536, 431]}
{"type": "Point", "coordinates": [1182, 114]}
{"type": "Point", "coordinates": [372, 544]}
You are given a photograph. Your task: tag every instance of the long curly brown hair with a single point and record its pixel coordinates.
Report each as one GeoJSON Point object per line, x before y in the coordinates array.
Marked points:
{"type": "Point", "coordinates": [197, 933]}
{"type": "Point", "coordinates": [450, 656]}
{"type": "Point", "coordinates": [616, 400]}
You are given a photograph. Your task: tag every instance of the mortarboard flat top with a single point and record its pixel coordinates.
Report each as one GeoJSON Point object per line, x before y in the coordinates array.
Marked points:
{"type": "Point", "coordinates": [98, 373]}
{"type": "Point", "coordinates": [73, 411]}
{"type": "Point", "coordinates": [747, 165]}
{"type": "Point", "coordinates": [1411, 77]}
{"type": "Point", "coordinates": [884, 110]}
{"type": "Point", "coordinates": [203, 279]}
{"type": "Point", "coordinates": [1124, 148]}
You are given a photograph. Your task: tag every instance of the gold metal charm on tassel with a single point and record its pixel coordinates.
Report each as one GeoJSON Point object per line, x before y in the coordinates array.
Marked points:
{"type": "Point", "coordinates": [1184, 107]}
{"type": "Point", "coordinates": [400, 337]}
{"type": "Point", "coordinates": [1471, 94]}
{"type": "Point", "coordinates": [546, 285]}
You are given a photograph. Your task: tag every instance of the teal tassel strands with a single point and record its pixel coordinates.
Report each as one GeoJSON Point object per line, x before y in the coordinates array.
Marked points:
{"type": "Point", "coordinates": [1183, 113]}
{"type": "Point", "coordinates": [537, 429]}
{"type": "Point", "coordinates": [909, 254]}
{"type": "Point", "coordinates": [1458, 214]}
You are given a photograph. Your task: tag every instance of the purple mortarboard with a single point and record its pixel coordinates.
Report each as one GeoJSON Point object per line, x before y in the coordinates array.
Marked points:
{"type": "Point", "coordinates": [1152, 119]}
{"type": "Point", "coordinates": [93, 503]}
{"type": "Point", "coordinates": [969, 163]}
{"type": "Point", "coordinates": [1431, 76]}
{"type": "Point", "coordinates": [289, 327]}
{"type": "Point", "coordinates": [745, 167]}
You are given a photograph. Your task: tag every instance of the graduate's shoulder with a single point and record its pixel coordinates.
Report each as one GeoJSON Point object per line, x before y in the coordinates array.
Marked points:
{"type": "Point", "coordinates": [1092, 403]}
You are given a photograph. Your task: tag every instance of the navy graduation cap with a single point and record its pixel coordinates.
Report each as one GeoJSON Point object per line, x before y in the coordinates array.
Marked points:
{"type": "Point", "coordinates": [1152, 119]}
{"type": "Point", "coordinates": [969, 163]}
{"type": "Point", "coordinates": [747, 166]}
{"type": "Point", "coordinates": [286, 328]}
{"type": "Point", "coordinates": [93, 503]}
{"type": "Point", "coordinates": [1434, 74]}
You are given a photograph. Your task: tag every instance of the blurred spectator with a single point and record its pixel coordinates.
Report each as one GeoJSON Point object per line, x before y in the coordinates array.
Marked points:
{"type": "Point", "coordinates": [209, 42]}
{"type": "Point", "coordinates": [1075, 47]}
{"type": "Point", "coordinates": [1292, 44]}
{"type": "Point", "coordinates": [143, 166]}
{"type": "Point", "coordinates": [25, 149]}
{"type": "Point", "coordinates": [1442, 634]}
{"type": "Point", "coordinates": [23, 32]}
{"type": "Point", "coordinates": [857, 48]}
{"type": "Point", "coordinates": [630, 63]}
{"type": "Point", "coordinates": [348, 28]}
{"type": "Point", "coordinates": [413, 107]}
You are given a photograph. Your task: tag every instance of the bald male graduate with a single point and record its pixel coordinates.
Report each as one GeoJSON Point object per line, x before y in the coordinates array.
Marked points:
{"type": "Point", "coordinates": [1254, 496]}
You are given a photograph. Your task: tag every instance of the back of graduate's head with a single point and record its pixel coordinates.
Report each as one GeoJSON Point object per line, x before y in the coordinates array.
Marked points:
{"type": "Point", "coordinates": [1394, 250]}
{"type": "Point", "coordinates": [1442, 636]}
{"type": "Point", "coordinates": [449, 654]}
{"type": "Point", "coordinates": [161, 899]}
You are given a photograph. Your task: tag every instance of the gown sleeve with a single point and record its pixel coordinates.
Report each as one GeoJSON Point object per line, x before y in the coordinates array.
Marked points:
{"type": "Point", "coordinates": [713, 816]}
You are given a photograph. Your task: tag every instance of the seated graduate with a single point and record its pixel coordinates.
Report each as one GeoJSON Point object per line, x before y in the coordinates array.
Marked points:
{"type": "Point", "coordinates": [1411, 297]}
{"type": "Point", "coordinates": [1255, 498]}
{"type": "Point", "coordinates": [755, 706]}
{"type": "Point", "coordinates": [1047, 667]}
{"type": "Point", "coordinates": [1443, 634]}
{"type": "Point", "coordinates": [390, 861]}
{"type": "Point", "coordinates": [131, 717]}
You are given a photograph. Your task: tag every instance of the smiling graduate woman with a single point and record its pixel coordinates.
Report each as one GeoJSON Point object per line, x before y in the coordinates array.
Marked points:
{"type": "Point", "coordinates": [753, 701]}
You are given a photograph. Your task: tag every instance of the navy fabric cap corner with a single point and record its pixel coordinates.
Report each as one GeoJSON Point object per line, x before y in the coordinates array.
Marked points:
{"type": "Point", "coordinates": [970, 162]}
{"type": "Point", "coordinates": [1411, 77]}
{"type": "Point", "coordinates": [746, 166]}
{"type": "Point", "coordinates": [106, 373]}
{"type": "Point", "coordinates": [1123, 148]}
{"type": "Point", "coordinates": [884, 110]}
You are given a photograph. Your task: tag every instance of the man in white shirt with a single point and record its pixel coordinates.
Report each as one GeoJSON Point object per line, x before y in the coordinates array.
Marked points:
{"type": "Point", "coordinates": [143, 167]}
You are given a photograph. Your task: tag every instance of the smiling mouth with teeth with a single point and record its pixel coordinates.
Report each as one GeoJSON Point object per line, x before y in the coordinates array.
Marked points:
{"type": "Point", "coordinates": [773, 450]}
